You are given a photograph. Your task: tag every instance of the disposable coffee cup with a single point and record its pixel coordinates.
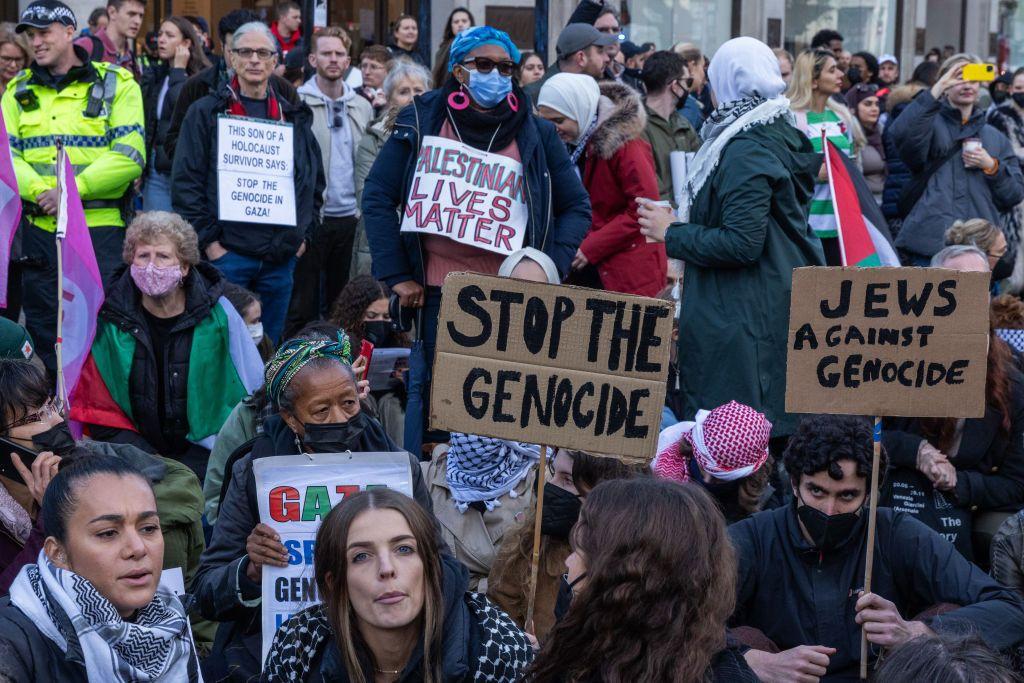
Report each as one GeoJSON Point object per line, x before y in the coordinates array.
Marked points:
{"type": "Point", "coordinates": [972, 144]}
{"type": "Point", "coordinates": [654, 202]}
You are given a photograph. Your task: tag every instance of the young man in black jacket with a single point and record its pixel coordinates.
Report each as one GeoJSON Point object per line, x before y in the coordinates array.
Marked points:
{"type": "Point", "coordinates": [801, 568]}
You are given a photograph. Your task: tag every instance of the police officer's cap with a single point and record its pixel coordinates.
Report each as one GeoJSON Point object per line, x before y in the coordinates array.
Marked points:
{"type": "Point", "coordinates": [42, 13]}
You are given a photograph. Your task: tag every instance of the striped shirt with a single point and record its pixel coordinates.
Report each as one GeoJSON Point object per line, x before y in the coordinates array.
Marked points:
{"type": "Point", "coordinates": [822, 218]}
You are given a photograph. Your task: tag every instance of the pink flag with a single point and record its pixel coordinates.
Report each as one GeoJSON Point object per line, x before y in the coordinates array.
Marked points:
{"type": "Point", "coordinates": [10, 208]}
{"type": "Point", "coordinates": [81, 286]}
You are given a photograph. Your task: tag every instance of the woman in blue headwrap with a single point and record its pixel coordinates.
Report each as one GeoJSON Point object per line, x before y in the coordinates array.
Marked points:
{"type": "Point", "coordinates": [478, 108]}
{"type": "Point", "coordinates": [311, 383]}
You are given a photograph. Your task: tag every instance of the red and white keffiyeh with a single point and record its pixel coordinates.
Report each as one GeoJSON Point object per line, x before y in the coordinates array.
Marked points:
{"type": "Point", "coordinates": [729, 443]}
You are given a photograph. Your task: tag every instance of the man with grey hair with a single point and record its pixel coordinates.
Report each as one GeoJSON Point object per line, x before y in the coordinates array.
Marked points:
{"type": "Point", "coordinates": [962, 257]}
{"type": "Point", "coordinates": [257, 252]}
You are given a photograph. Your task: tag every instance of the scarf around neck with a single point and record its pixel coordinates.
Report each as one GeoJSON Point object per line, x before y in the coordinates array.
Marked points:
{"type": "Point", "coordinates": [481, 469]}
{"type": "Point", "coordinates": [67, 609]}
{"type": "Point", "coordinates": [236, 108]}
{"type": "Point", "coordinates": [491, 130]}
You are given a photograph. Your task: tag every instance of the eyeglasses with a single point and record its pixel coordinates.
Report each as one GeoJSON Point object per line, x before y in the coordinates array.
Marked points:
{"type": "Point", "coordinates": [47, 412]}
{"type": "Point", "coordinates": [19, 61]}
{"type": "Point", "coordinates": [247, 52]}
{"type": "Point", "coordinates": [611, 29]}
{"type": "Point", "coordinates": [486, 66]}
{"type": "Point", "coordinates": [686, 82]}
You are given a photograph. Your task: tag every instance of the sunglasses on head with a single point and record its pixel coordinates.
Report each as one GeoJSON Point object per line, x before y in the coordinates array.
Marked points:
{"type": "Point", "coordinates": [486, 66]}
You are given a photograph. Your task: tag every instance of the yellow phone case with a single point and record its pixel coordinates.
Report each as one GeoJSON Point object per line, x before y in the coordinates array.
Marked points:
{"type": "Point", "coordinates": [979, 72]}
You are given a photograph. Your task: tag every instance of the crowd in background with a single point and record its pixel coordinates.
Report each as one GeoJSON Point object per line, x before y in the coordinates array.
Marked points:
{"type": "Point", "coordinates": [737, 555]}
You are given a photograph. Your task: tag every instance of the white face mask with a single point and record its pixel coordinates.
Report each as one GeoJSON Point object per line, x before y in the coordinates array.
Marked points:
{"type": "Point", "coordinates": [255, 331]}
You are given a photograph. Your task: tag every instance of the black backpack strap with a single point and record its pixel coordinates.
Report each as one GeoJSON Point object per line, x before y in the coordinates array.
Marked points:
{"type": "Point", "coordinates": [97, 50]}
{"type": "Point", "coordinates": [229, 466]}
{"type": "Point", "coordinates": [914, 190]}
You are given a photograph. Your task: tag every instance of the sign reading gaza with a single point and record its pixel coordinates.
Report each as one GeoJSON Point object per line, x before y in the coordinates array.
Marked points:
{"type": "Point", "coordinates": [255, 179]}
{"type": "Point", "coordinates": [467, 195]}
{"type": "Point", "coordinates": [888, 342]}
{"type": "Point", "coordinates": [553, 365]}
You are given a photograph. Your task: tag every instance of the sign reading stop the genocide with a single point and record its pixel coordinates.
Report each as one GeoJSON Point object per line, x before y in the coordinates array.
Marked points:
{"type": "Point", "coordinates": [907, 342]}
{"type": "Point", "coordinates": [474, 197]}
{"type": "Point", "coordinates": [255, 171]}
{"type": "Point", "coordinates": [553, 365]}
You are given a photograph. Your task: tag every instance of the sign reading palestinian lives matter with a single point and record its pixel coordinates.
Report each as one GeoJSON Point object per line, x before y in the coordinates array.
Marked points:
{"type": "Point", "coordinates": [907, 342]}
{"type": "Point", "coordinates": [553, 365]}
{"type": "Point", "coordinates": [255, 174]}
{"type": "Point", "coordinates": [295, 493]}
{"type": "Point", "coordinates": [473, 197]}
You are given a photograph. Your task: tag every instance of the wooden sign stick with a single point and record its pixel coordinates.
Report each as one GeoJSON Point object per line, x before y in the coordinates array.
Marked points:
{"type": "Point", "coordinates": [542, 470]}
{"type": "Point", "coordinates": [875, 456]}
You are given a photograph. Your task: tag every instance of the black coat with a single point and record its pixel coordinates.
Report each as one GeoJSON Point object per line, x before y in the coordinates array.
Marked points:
{"type": "Point", "coordinates": [897, 172]}
{"type": "Point", "coordinates": [797, 595]}
{"type": "Point", "coordinates": [194, 183]}
{"type": "Point", "coordinates": [224, 561]}
{"type": "Point", "coordinates": [989, 464]}
{"type": "Point", "coordinates": [157, 127]}
{"type": "Point", "coordinates": [164, 434]}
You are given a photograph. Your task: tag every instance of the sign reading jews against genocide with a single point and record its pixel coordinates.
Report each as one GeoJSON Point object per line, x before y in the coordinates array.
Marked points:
{"type": "Point", "coordinates": [474, 197]}
{"type": "Point", "coordinates": [553, 365]}
{"type": "Point", "coordinates": [888, 342]}
{"type": "Point", "coordinates": [255, 174]}
{"type": "Point", "coordinates": [295, 493]}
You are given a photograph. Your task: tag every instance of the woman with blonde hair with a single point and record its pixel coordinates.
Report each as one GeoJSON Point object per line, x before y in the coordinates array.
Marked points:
{"type": "Point", "coordinates": [816, 81]}
{"type": "Point", "coordinates": [980, 233]}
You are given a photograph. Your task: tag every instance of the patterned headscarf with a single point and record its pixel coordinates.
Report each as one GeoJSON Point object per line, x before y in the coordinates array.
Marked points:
{"type": "Point", "coordinates": [296, 354]}
{"type": "Point", "coordinates": [729, 443]}
{"type": "Point", "coordinates": [482, 469]}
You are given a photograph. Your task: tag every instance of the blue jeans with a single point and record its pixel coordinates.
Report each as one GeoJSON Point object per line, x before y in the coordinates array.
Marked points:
{"type": "Point", "coordinates": [271, 281]}
{"type": "Point", "coordinates": [156, 193]}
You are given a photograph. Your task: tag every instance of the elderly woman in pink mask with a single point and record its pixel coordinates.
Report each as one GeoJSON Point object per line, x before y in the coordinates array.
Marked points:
{"type": "Point", "coordinates": [725, 451]}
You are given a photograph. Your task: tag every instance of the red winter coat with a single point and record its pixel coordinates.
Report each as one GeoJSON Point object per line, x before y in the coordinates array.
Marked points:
{"type": "Point", "coordinates": [618, 168]}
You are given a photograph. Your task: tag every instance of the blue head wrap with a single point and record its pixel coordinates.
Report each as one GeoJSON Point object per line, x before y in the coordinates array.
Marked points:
{"type": "Point", "coordinates": [471, 38]}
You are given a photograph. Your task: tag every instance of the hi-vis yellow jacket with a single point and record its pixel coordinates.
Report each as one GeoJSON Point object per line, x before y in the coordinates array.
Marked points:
{"type": "Point", "coordinates": [97, 115]}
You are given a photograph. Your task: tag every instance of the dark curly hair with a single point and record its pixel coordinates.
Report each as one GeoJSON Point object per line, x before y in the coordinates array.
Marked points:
{"type": "Point", "coordinates": [661, 582]}
{"type": "Point", "coordinates": [350, 306]}
{"type": "Point", "coordinates": [822, 441]}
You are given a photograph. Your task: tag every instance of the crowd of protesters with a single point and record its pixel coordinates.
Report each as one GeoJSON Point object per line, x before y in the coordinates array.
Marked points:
{"type": "Point", "coordinates": [737, 554]}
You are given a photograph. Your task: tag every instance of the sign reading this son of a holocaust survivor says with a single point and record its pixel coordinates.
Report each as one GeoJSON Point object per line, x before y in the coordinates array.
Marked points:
{"type": "Point", "coordinates": [552, 365]}
{"type": "Point", "coordinates": [255, 171]}
{"type": "Point", "coordinates": [888, 342]}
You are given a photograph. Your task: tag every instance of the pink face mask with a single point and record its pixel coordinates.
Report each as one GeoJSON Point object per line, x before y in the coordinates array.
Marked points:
{"type": "Point", "coordinates": [154, 280]}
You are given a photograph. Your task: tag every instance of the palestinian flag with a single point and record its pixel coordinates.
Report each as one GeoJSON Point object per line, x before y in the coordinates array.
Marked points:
{"type": "Point", "coordinates": [214, 387]}
{"type": "Point", "coordinates": [860, 227]}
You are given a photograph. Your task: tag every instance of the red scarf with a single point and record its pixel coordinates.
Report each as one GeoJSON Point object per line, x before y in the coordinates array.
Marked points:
{"type": "Point", "coordinates": [236, 108]}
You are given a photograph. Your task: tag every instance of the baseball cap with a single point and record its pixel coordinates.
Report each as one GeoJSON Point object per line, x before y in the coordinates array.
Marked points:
{"type": "Point", "coordinates": [888, 58]}
{"type": "Point", "coordinates": [15, 341]}
{"type": "Point", "coordinates": [576, 37]}
{"type": "Point", "coordinates": [42, 13]}
{"type": "Point", "coordinates": [631, 49]}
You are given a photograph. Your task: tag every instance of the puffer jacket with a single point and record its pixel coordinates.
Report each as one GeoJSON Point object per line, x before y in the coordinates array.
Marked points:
{"type": "Point", "coordinates": [479, 642]}
{"type": "Point", "coordinates": [929, 130]}
{"type": "Point", "coordinates": [619, 167]}
{"type": "Point", "coordinates": [898, 172]}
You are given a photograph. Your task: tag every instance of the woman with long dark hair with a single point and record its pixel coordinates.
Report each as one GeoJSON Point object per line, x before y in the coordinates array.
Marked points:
{"type": "Point", "coordinates": [653, 576]}
{"type": "Point", "coordinates": [459, 20]}
{"type": "Point", "coordinates": [394, 608]}
{"type": "Point", "coordinates": [181, 56]}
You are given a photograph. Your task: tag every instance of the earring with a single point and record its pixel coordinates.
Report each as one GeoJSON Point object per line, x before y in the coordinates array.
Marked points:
{"type": "Point", "coordinates": [513, 101]}
{"type": "Point", "coordinates": [458, 100]}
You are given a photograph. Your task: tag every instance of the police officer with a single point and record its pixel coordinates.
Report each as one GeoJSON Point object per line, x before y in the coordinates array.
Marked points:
{"type": "Point", "coordinates": [95, 110]}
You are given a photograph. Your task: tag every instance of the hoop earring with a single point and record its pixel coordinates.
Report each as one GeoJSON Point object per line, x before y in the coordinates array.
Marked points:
{"type": "Point", "coordinates": [458, 100]}
{"type": "Point", "coordinates": [513, 101]}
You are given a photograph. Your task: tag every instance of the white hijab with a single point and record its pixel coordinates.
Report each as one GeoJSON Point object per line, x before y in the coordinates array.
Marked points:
{"type": "Point", "coordinates": [743, 67]}
{"type": "Point", "coordinates": [572, 95]}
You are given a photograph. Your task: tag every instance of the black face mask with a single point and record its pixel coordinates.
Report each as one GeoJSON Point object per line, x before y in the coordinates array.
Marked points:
{"type": "Point", "coordinates": [561, 510]}
{"type": "Point", "coordinates": [334, 437]}
{"type": "Point", "coordinates": [1004, 266]}
{"type": "Point", "coordinates": [57, 439]}
{"type": "Point", "coordinates": [681, 101]}
{"type": "Point", "coordinates": [853, 75]}
{"type": "Point", "coordinates": [377, 332]}
{"type": "Point", "coordinates": [827, 532]}
{"type": "Point", "coordinates": [1000, 96]}
{"type": "Point", "coordinates": [564, 600]}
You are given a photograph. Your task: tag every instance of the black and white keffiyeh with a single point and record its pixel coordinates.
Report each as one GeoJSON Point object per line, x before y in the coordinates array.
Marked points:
{"type": "Point", "coordinates": [482, 469]}
{"type": "Point", "coordinates": [67, 609]}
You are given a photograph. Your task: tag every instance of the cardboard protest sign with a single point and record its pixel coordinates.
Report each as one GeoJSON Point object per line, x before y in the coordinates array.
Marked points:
{"type": "Point", "coordinates": [465, 194]}
{"type": "Point", "coordinates": [295, 493]}
{"type": "Point", "coordinates": [255, 174]}
{"type": "Point", "coordinates": [553, 365]}
{"type": "Point", "coordinates": [888, 341]}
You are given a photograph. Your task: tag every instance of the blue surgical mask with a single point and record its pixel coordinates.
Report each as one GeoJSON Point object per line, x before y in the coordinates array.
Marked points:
{"type": "Point", "coordinates": [489, 89]}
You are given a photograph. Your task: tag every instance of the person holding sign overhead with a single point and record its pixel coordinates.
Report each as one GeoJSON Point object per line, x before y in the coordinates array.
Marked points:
{"type": "Point", "coordinates": [246, 175]}
{"type": "Point", "coordinates": [750, 189]}
{"type": "Point", "coordinates": [468, 177]}
{"type": "Point", "coordinates": [395, 607]}
{"type": "Point", "coordinates": [311, 383]}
